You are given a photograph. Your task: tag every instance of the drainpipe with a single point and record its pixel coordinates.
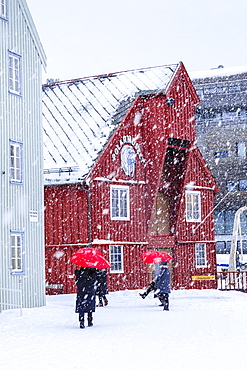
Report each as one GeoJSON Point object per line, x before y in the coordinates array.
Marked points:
{"type": "Point", "coordinates": [84, 187]}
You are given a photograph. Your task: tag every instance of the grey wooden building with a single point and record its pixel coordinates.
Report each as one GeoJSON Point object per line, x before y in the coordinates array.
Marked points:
{"type": "Point", "coordinates": [21, 159]}
{"type": "Point", "coordinates": [222, 138]}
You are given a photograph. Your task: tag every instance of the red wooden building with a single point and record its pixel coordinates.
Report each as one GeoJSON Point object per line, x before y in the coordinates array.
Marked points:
{"type": "Point", "coordinates": [123, 173]}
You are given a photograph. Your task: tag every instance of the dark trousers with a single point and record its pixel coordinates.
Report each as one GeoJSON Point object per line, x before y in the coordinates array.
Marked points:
{"type": "Point", "coordinates": [89, 317]}
{"type": "Point", "coordinates": [164, 299]}
{"type": "Point", "coordinates": [101, 298]}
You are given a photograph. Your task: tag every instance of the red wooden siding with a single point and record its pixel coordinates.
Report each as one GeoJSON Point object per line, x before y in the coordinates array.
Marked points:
{"type": "Point", "coordinates": [107, 229]}
{"type": "Point", "coordinates": [167, 160]}
{"type": "Point", "coordinates": [185, 267]}
{"type": "Point", "coordinates": [181, 116]}
{"type": "Point", "coordinates": [66, 216]}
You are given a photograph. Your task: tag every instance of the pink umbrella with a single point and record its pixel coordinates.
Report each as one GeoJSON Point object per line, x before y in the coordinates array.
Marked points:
{"type": "Point", "coordinates": [154, 256]}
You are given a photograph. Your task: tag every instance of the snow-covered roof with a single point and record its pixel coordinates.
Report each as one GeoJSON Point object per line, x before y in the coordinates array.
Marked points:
{"type": "Point", "coordinates": [221, 88]}
{"type": "Point", "coordinates": [80, 115]}
{"type": "Point", "coordinates": [218, 72]}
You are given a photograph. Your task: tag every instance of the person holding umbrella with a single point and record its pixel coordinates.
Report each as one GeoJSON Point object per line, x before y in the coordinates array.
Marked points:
{"type": "Point", "coordinates": [85, 299]}
{"type": "Point", "coordinates": [89, 259]}
{"type": "Point", "coordinates": [161, 283]}
{"type": "Point", "coordinates": [102, 288]}
{"type": "Point", "coordinates": [161, 286]}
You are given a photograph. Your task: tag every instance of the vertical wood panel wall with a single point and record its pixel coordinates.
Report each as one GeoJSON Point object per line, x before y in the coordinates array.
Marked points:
{"type": "Point", "coordinates": [21, 121]}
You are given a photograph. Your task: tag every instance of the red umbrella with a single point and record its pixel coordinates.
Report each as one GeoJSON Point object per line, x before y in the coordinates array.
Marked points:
{"type": "Point", "coordinates": [88, 250]}
{"type": "Point", "coordinates": [90, 257]}
{"type": "Point", "coordinates": [154, 256]}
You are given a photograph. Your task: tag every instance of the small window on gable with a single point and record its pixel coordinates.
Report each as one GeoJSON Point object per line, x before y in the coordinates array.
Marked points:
{"type": "Point", "coordinates": [14, 74]}
{"type": "Point", "coordinates": [116, 258]}
{"type": "Point", "coordinates": [193, 206]}
{"type": "Point", "coordinates": [120, 202]}
{"type": "Point", "coordinates": [16, 252]}
{"type": "Point", "coordinates": [241, 149]}
{"type": "Point", "coordinates": [201, 260]}
{"type": "Point", "coordinates": [3, 9]}
{"type": "Point", "coordinates": [15, 171]}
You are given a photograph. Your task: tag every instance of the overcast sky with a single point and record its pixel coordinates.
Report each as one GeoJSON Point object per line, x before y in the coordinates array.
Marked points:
{"type": "Point", "coordinates": [90, 37]}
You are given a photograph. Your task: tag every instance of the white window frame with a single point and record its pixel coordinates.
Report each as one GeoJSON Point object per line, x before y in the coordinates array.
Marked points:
{"type": "Point", "coordinates": [116, 259]}
{"type": "Point", "coordinates": [14, 73]}
{"type": "Point", "coordinates": [119, 215]}
{"type": "Point", "coordinates": [3, 9]}
{"type": "Point", "coordinates": [17, 252]}
{"type": "Point", "coordinates": [15, 159]}
{"type": "Point", "coordinates": [193, 206]}
{"type": "Point", "coordinates": [201, 255]}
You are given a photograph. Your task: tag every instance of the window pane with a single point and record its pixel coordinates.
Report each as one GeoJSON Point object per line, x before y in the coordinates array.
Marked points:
{"type": "Point", "coordinates": [200, 254]}
{"type": "Point", "coordinates": [14, 74]}
{"type": "Point", "coordinates": [231, 185]}
{"type": "Point", "coordinates": [15, 162]}
{"type": "Point", "coordinates": [3, 9]}
{"type": "Point", "coordinates": [116, 258]}
{"type": "Point", "coordinates": [119, 202]}
{"type": "Point", "coordinates": [16, 252]}
{"type": "Point", "coordinates": [223, 154]}
{"type": "Point", "coordinates": [123, 203]}
{"type": "Point", "coordinates": [193, 209]}
{"type": "Point", "coordinates": [241, 149]}
{"type": "Point", "coordinates": [242, 185]}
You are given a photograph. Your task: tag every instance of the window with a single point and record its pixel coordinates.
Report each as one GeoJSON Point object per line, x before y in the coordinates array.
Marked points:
{"type": "Point", "coordinates": [201, 255]}
{"type": "Point", "coordinates": [241, 150]}
{"type": "Point", "coordinates": [119, 202]}
{"type": "Point", "coordinates": [14, 74]}
{"type": "Point", "coordinates": [231, 185]}
{"type": "Point", "coordinates": [224, 222]}
{"type": "Point", "coordinates": [3, 9]}
{"type": "Point", "coordinates": [16, 253]}
{"type": "Point", "coordinates": [193, 206]}
{"type": "Point", "coordinates": [116, 258]}
{"type": "Point", "coordinates": [222, 154]}
{"type": "Point", "coordinates": [242, 185]}
{"type": "Point", "coordinates": [15, 162]}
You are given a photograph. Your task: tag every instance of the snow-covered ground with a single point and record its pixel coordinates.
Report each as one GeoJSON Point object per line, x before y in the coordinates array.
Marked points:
{"type": "Point", "coordinates": [204, 329]}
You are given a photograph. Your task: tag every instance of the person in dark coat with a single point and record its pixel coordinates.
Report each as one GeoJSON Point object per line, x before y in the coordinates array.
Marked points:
{"type": "Point", "coordinates": [85, 299]}
{"type": "Point", "coordinates": [161, 286]}
{"type": "Point", "coordinates": [102, 288]}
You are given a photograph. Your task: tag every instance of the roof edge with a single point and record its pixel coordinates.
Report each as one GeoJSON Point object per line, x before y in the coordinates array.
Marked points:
{"type": "Point", "coordinates": [34, 32]}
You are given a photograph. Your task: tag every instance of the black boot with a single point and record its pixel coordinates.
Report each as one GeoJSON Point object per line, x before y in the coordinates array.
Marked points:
{"type": "Point", "coordinates": [143, 295]}
{"type": "Point", "coordinates": [166, 302]}
{"type": "Point", "coordinates": [81, 319]}
{"type": "Point", "coordinates": [100, 304]}
{"type": "Point", "coordinates": [90, 319]}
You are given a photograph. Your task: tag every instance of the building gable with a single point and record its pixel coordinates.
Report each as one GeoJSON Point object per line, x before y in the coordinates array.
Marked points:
{"type": "Point", "coordinates": [80, 116]}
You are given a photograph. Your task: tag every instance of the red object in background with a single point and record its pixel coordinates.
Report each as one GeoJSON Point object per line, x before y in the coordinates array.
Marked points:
{"type": "Point", "coordinates": [154, 256]}
{"type": "Point", "coordinates": [157, 184]}
{"type": "Point", "coordinates": [89, 250]}
{"type": "Point", "coordinates": [90, 257]}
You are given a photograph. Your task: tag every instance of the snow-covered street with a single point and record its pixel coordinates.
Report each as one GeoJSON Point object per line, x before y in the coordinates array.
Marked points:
{"type": "Point", "coordinates": [203, 330]}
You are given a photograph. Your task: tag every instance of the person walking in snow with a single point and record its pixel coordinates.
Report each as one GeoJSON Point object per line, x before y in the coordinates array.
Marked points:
{"type": "Point", "coordinates": [161, 286]}
{"type": "Point", "coordinates": [85, 299]}
{"type": "Point", "coordinates": [102, 288]}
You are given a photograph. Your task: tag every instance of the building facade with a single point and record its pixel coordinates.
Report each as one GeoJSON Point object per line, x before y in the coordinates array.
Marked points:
{"type": "Point", "coordinates": [221, 136]}
{"type": "Point", "coordinates": [21, 198]}
{"type": "Point", "coordinates": [123, 173]}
